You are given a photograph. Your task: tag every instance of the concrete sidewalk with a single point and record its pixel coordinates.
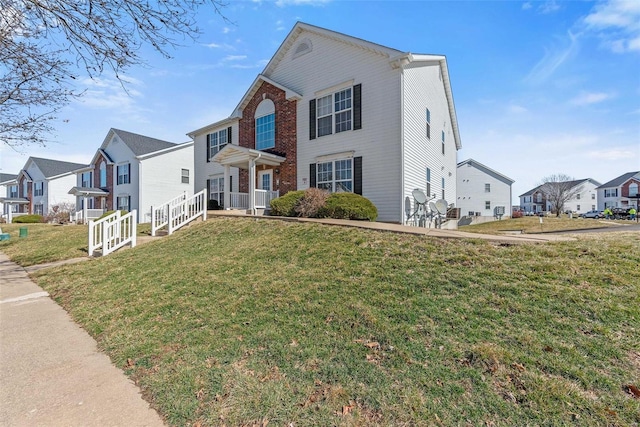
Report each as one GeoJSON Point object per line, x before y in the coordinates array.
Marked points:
{"type": "Point", "coordinates": [51, 370]}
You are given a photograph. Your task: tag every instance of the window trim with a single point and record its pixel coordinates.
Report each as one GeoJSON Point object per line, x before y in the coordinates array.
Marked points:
{"type": "Point", "coordinates": [38, 189]}
{"type": "Point", "coordinates": [125, 175]}
{"type": "Point", "coordinates": [220, 189]}
{"type": "Point", "coordinates": [270, 132]}
{"type": "Point", "coordinates": [184, 178]}
{"type": "Point", "coordinates": [333, 171]}
{"type": "Point", "coordinates": [214, 149]}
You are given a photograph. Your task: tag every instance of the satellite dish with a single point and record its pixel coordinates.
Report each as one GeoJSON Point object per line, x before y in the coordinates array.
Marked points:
{"type": "Point", "coordinates": [419, 196]}
{"type": "Point", "coordinates": [432, 206]}
{"type": "Point", "coordinates": [441, 206]}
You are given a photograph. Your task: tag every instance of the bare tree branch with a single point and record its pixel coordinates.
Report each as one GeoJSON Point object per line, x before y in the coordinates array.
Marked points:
{"type": "Point", "coordinates": [559, 189]}
{"type": "Point", "coordinates": [45, 44]}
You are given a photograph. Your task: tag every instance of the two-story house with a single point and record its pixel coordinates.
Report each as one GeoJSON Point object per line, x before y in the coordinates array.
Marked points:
{"type": "Point", "coordinates": [339, 113]}
{"type": "Point", "coordinates": [483, 193]}
{"type": "Point", "coordinates": [583, 198]}
{"type": "Point", "coordinates": [8, 191]}
{"type": "Point", "coordinates": [620, 192]}
{"type": "Point", "coordinates": [131, 171]}
{"type": "Point", "coordinates": [41, 185]}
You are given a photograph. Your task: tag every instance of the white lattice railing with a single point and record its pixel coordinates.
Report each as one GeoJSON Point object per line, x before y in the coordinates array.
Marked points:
{"type": "Point", "coordinates": [263, 199]}
{"type": "Point", "coordinates": [112, 232]}
{"type": "Point", "coordinates": [239, 200]}
{"type": "Point", "coordinates": [179, 212]}
{"type": "Point", "coordinates": [78, 216]}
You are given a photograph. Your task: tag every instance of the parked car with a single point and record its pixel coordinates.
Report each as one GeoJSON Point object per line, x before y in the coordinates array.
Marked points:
{"type": "Point", "coordinates": [592, 214]}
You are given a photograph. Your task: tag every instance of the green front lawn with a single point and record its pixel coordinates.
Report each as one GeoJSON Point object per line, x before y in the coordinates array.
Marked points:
{"type": "Point", "coordinates": [240, 321]}
{"type": "Point", "coordinates": [532, 224]}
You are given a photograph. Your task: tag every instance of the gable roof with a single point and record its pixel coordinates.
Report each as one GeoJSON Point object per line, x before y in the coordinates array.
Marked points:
{"type": "Point", "coordinates": [289, 93]}
{"type": "Point", "coordinates": [486, 170]}
{"type": "Point", "coordinates": [573, 183]}
{"type": "Point", "coordinates": [51, 168]}
{"type": "Point", "coordinates": [138, 144]}
{"type": "Point", "coordinates": [620, 180]}
{"type": "Point", "coordinates": [4, 177]}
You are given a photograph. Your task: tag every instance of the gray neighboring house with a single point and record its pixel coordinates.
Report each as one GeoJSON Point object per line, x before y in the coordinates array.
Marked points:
{"type": "Point", "coordinates": [536, 201]}
{"type": "Point", "coordinates": [620, 192]}
{"type": "Point", "coordinates": [8, 188]}
{"type": "Point", "coordinates": [482, 193]}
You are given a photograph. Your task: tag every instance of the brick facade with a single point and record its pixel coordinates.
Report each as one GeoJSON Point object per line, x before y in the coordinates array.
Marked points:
{"type": "Point", "coordinates": [625, 187]}
{"type": "Point", "coordinates": [286, 137]}
{"type": "Point", "coordinates": [28, 208]}
{"type": "Point", "coordinates": [96, 182]}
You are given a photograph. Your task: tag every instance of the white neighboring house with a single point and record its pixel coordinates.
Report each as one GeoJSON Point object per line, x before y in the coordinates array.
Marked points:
{"type": "Point", "coordinates": [483, 193]}
{"type": "Point", "coordinates": [43, 184]}
{"type": "Point", "coordinates": [339, 113]}
{"type": "Point", "coordinates": [131, 171]}
{"type": "Point", "coordinates": [8, 189]}
{"type": "Point", "coordinates": [585, 200]}
{"type": "Point", "coordinates": [620, 192]}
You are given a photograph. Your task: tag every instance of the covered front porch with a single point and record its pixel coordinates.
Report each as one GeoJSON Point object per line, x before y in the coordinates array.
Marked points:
{"type": "Point", "coordinates": [86, 193]}
{"type": "Point", "coordinates": [10, 202]}
{"type": "Point", "coordinates": [260, 193]}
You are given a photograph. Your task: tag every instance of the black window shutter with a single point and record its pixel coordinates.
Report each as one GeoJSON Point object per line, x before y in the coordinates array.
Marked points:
{"type": "Point", "coordinates": [312, 175]}
{"type": "Point", "coordinates": [230, 184]}
{"type": "Point", "coordinates": [229, 135]}
{"type": "Point", "coordinates": [357, 175]}
{"type": "Point", "coordinates": [312, 119]}
{"type": "Point", "coordinates": [357, 107]}
{"type": "Point", "coordinates": [208, 147]}
{"type": "Point", "coordinates": [208, 189]}
{"type": "Point", "coordinates": [129, 203]}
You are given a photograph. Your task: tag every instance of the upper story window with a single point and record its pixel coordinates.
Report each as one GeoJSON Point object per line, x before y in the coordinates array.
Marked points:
{"type": "Point", "coordinates": [633, 189]}
{"type": "Point", "coordinates": [428, 124]}
{"type": "Point", "coordinates": [38, 188]}
{"type": "Point", "coordinates": [336, 112]}
{"type": "Point", "coordinates": [442, 142]}
{"type": "Point", "coordinates": [443, 188]}
{"type": "Point", "coordinates": [539, 197]}
{"type": "Point", "coordinates": [124, 176]}
{"type": "Point", "coordinates": [578, 196]}
{"type": "Point", "coordinates": [487, 188]}
{"type": "Point", "coordinates": [86, 179]}
{"type": "Point", "coordinates": [265, 116]}
{"type": "Point", "coordinates": [103, 174]}
{"type": "Point", "coordinates": [25, 188]}
{"type": "Point", "coordinates": [216, 142]}
{"type": "Point", "coordinates": [13, 191]}
{"type": "Point", "coordinates": [428, 182]}
{"type": "Point", "coordinates": [611, 192]}
{"type": "Point", "coordinates": [593, 196]}
{"type": "Point", "coordinates": [185, 176]}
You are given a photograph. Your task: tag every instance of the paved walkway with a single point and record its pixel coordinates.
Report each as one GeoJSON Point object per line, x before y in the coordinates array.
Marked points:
{"type": "Point", "coordinates": [51, 370]}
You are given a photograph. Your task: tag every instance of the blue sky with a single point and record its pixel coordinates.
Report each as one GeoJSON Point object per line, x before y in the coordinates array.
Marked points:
{"type": "Point", "coordinates": [540, 87]}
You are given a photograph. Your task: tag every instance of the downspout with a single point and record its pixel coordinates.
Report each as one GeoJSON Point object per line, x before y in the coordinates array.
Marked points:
{"type": "Point", "coordinates": [402, 159]}
{"type": "Point", "coordinates": [254, 211]}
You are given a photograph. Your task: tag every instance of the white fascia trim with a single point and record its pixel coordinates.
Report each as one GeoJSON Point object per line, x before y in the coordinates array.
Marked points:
{"type": "Point", "coordinates": [289, 94]}
{"type": "Point", "coordinates": [335, 156]}
{"type": "Point", "coordinates": [165, 150]}
{"type": "Point", "coordinates": [218, 124]}
{"type": "Point", "coordinates": [51, 178]}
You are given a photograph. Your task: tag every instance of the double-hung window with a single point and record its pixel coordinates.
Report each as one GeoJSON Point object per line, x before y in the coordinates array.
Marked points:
{"type": "Point", "coordinates": [428, 124]}
{"type": "Point", "coordinates": [611, 192]}
{"type": "Point", "coordinates": [443, 188]}
{"type": "Point", "coordinates": [38, 209]}
{"type": "Point", "coordinates": [335, 176]}
{"type": "Point", "coordinates": [38, 189]}
{"type": "Point", "coordinates": [124, 176]}
{"type": "Point", "coordinates": [13, 192]}
{"type": "Point", "coordinates": [442, 142]}
{"type": "Point", "coordinates": [123, 203]}
{"type": "Point", "coordinates": [103, 175]}
{"type": "Point", "coordinates": [428, 182]}
{"type": "Point", "coordinates": [487, 188]}
{"type": "Point", "coordinates": [216, 141]}
{"type": "Point", "coordinates": [86, 179]}
{"type": "Point", "coordinates": [336, 112]}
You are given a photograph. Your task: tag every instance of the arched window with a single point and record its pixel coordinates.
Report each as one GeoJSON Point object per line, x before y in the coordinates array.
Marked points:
{"type": "Point", "coordinates": [103, 174]}
{"type": "Point", "coordinates": [633, 189]}
{"type": "Point", "coordinates": [265, 125]}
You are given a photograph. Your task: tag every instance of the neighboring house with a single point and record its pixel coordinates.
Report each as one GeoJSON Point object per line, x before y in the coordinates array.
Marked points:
{"type": "Point", "coordinates": [584, 200]}
{"type": "Point", "coordinates": [620, 192]}
{"type": "Point", "coordinates": [482, 192]}
{"type": "Point", "coordinates": [131, 171]}
{"type": "Point", "coordinates": [8, 190]}
{"type": "Point", "coordinates": [42, 184]}
{"type": "Point", "coordinates": [339, 113]}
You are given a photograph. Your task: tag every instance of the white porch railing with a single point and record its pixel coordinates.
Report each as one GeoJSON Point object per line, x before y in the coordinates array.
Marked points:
{"type": "Point", "coordinates": [112, 232]}
{"type": "Point", "coordinates": [178, 212]}
{"type": "Point", "coordinates": [263, 199]}
{"type": "Point", "coordinates": [91, 214]}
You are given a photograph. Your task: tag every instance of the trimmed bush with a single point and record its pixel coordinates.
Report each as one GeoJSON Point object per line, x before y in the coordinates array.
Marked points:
{"type": "Point", "coordinates": [28, 219]}
{"type": "Point", "coordinates": [348, 206]}
{"type": "Point", "coordinates": [312, 201]}
{"type": "Point", "coordinates": [286, 205]}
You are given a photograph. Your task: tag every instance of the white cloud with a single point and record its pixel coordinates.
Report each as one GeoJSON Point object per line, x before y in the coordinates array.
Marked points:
{"type": "Point", "coordinates": [517, 109]}
{"type": "Point", "coordinates": [526, 6]}
{"type": "Point", "coordinates": [549, 6]}
{"type": "Point", "coordinates": [234, 58]}
{"type": "Point", "coordinates": [226, 30]}
{"type": "Point", "coordinates": [110, 94]}
{"type": "Point", "coordinates": [617, 23]}
{"type": "Point", "coordinates": [588, 98]}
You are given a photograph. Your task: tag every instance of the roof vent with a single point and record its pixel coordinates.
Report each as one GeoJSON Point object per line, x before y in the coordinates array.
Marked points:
{"type": "Point", "coordinates": [303, 47]}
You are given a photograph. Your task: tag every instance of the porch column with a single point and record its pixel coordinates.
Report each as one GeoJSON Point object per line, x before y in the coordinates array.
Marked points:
{"type": "Point", "coordinates": [10, 214]}
{"type": "Point", "coordinates": [227, 187]}
{"type": "Point", "coordinates": [84, 209]}
{"type": "Point", "coordinates": [252, 186]}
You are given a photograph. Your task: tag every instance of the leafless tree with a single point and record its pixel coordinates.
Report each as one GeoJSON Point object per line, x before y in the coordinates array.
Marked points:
{"type": "Point", "coordinates": [559, 189]}
{"type": "Point", "coordinates": [46, 44]}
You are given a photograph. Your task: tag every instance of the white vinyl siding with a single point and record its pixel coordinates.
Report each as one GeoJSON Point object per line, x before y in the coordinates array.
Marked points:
{"type": "Point", "coordinates": [479, 187]}
{"type": "Point", "coordinates": [377, 142]}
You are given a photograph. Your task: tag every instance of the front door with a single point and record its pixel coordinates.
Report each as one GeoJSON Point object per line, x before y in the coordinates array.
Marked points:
{"type": "Point", "coordinates": [265, 180]}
